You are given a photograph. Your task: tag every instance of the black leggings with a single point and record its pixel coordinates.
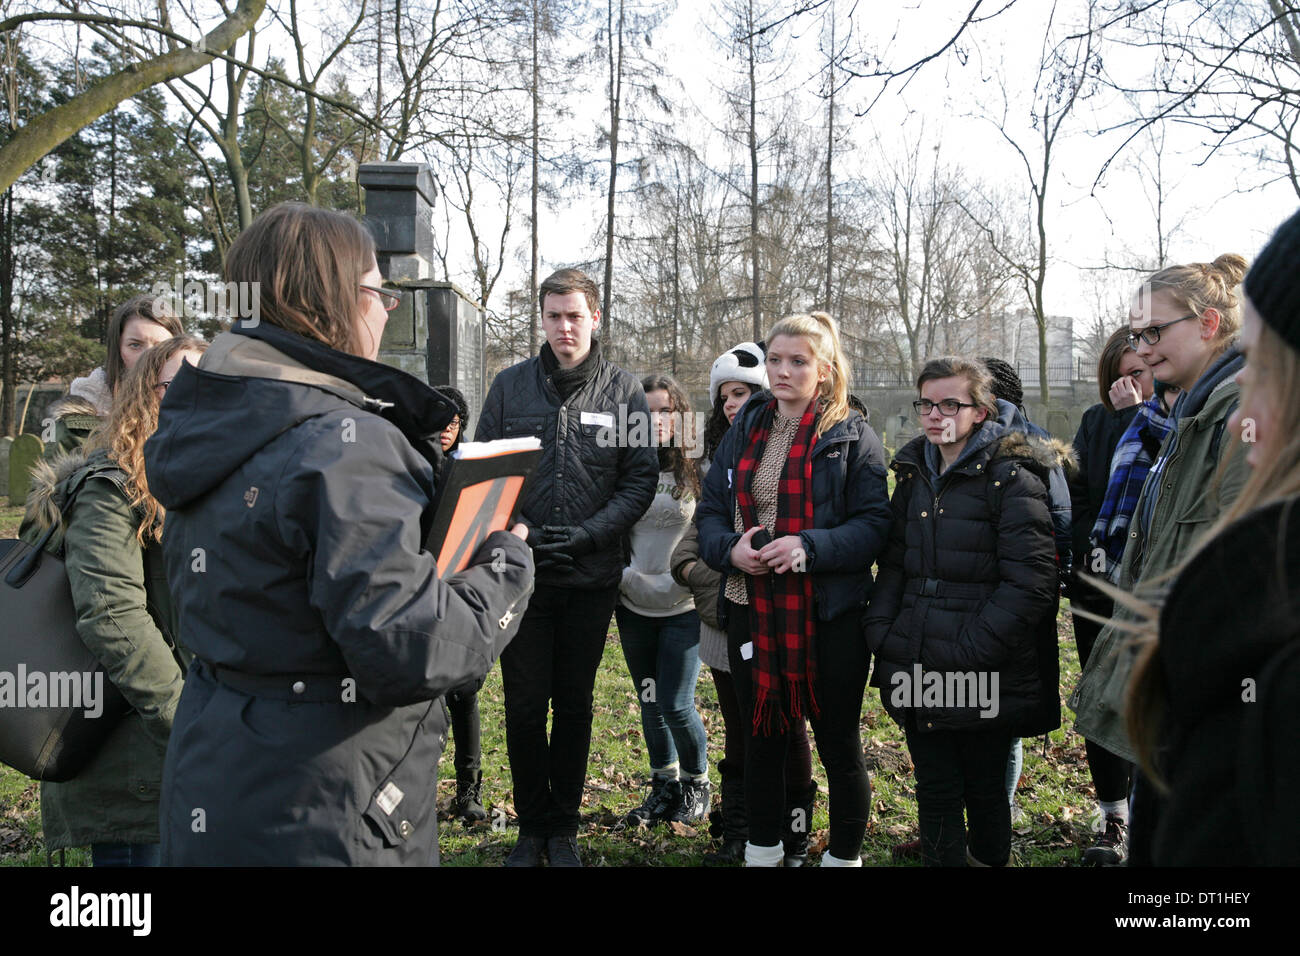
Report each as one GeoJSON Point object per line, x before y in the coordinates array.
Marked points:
{"type": "Point", "coordinates": [465, 733]}
{"type": "Point", "coordinates": [1112, 775]}
{"type": "Point", "coordinates": [799, 786]}
{"type": "Point", "coordinates": [842, 665]}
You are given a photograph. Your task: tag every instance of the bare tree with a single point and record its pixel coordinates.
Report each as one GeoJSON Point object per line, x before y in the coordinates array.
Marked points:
{"type": "Point", "coordinates": [44, 132]}
{"type": "Point", "coordinates": [633, 86]}
{"type": "Point", "coordinates": [1228, 67]}
{"type": "Point", "coordinates": [1066, 74]}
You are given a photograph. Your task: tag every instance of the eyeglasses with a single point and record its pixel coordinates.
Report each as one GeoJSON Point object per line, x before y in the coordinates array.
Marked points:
{"type": "Point", "coordinates": [1151, 334]}
{"type": "Point", "coordinates": [452, 425]}
{"type": "Point", "coordinates": [389, 300]}
{"type": "Point", "coordinates": [948, 407]}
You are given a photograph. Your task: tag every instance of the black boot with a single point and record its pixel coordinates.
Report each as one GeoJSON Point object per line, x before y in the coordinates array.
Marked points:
{"type": "Point", "coordinates": [735, 821]}
{"type": "Point", "coordinates": [468, 794]}
{"type": "Point", "coordinates": [798, 824]}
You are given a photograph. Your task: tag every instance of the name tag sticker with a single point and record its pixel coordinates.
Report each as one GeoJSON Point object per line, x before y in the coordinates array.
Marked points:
{"type": "Point", "coordinates": [391, 796]}
{"type": "Point", "coordinates": [604, 419]}
{"type": "Point", "coordinates": [746, 650]}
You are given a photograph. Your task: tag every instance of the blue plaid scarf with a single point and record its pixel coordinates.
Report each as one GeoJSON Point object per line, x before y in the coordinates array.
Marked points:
{"type": "Point", "coordinates": [1132, 461]}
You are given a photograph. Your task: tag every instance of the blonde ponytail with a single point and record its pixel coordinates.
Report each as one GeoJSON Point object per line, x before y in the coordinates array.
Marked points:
{"type": "Point", "coordinates": [823, 335]}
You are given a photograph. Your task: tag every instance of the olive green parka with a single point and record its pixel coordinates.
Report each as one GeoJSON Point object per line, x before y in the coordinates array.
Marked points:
{"type": "Point", "coordinates": [1202, 468]}
{"type": "Point", "coordinates": [126, 618]}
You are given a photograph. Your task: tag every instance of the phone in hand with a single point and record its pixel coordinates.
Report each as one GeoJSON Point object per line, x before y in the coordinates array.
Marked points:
{"type": "Point", "coordinates": [762, 538]}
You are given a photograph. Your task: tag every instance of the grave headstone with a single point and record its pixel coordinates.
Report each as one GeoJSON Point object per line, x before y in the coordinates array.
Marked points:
{"type": "Point", "coordinates": [6, 446]}
{"type": "Point", "coordinates": [25, 451]}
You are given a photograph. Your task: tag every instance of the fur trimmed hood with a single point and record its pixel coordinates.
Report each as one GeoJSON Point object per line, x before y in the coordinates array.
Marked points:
{"type": "Point", "coordinates": [54, 479]}
{"type": "Point", "coordinates": [1047, 452]}
{"type": "Point", "coordinates": [71, 404]}
{"type": "Point", "coordinates": [44, 506]}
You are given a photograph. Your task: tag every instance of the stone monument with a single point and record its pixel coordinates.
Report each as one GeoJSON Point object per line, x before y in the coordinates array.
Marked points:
{"type": "Point", "coordinates": [437, 333]}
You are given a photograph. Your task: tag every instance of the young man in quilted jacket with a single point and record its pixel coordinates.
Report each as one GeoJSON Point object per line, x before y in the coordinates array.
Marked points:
{"type": "Point", "coordinates": [592, 484]}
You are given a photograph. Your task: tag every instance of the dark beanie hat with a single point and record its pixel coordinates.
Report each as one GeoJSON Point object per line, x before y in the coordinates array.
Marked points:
{"type": "Point", "coordinates": [1273, 282]}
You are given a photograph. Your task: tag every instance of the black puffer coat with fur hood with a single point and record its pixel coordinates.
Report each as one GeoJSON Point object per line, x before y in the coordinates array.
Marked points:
{"type": "Point", "coordinates": [968, 587]}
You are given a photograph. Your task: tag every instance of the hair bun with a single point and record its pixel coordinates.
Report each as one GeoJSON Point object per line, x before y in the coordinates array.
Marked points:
{"type": "Point", "coordinates": [1232, 267]}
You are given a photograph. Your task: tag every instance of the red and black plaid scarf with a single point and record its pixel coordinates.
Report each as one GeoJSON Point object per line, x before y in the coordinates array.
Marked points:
{"type": "Point", "coordinates": [781, 617]}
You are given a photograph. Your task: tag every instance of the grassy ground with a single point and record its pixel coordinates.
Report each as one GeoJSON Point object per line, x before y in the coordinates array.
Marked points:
{"type": "Point", "coordinates": [1055, 791]}
{"type": "Point", "coordinates": [10, 519]}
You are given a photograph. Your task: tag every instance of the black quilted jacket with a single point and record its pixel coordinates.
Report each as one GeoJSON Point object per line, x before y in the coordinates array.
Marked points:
{"type": "Point", "coordinates": [588, 475]}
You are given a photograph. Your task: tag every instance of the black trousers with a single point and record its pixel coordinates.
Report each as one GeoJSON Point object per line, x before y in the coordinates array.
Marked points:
{"type": "Point", "coordinates": [956, 770]}
{"type": "Point", "coordinates": [799, 786]}
{"type": "Point", "coordinates": [1111, 773]}
{"type": "Point", "coordinates": [842, 664]}
{"type": "Point", "coordinates": [551, 666]}
{"type": "Point", "coordinates": [465, 734]}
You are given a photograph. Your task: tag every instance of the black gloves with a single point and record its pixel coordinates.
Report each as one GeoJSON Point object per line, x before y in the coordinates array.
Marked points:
{"type": "Point", "coordinates": [558, 545]}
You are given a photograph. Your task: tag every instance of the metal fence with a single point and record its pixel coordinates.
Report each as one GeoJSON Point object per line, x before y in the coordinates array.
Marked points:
{"type": "Point", "coordinates": [895, 376]}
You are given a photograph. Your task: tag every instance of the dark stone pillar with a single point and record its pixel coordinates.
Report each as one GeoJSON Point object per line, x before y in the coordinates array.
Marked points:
{"type": "Point", "coordinates": [437, 333]}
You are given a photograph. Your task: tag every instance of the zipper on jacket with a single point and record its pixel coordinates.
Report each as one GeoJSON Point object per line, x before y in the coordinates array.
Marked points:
{"type": "Point", "coordinates": [923, 474]}
{"type": "Point", "coordinates": [510, 613]}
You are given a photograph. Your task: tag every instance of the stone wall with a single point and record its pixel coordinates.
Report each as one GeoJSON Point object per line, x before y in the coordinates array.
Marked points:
{"type": "Point", "coordinates": [893, 418]}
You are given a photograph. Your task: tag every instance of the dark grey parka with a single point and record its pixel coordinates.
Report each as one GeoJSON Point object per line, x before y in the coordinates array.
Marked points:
{"type": "Point", "coordinates": [297, 482]}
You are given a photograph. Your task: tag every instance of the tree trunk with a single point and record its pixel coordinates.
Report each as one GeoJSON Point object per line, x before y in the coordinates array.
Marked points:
{"type": "Point", "coordinates": [615, 105]}
{"type": "Point", "coordinates": [8, 377]}
{"type": "Point", "coordinates": [677, 292]}
{"type": "Point", "coordinates": [830, 179]}
{"type": "Point", "coordinates": [46, 131]}
{"type": "Point", "coordinates": [533, 278]}
{"type": "Point", "coordinates": [753, 179]}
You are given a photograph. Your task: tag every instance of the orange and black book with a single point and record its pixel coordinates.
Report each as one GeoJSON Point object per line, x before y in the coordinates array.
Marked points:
{"type": "Point", "coordinates": [482, 485]}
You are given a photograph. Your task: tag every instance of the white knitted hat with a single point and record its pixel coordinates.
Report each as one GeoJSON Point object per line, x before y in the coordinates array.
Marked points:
{"type": "Point", "coordinates": [747, 363]}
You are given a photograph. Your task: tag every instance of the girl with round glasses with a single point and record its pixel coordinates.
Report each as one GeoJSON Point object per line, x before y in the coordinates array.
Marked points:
{"type": "Point", "coordinates": [967, 575]}
{"type": "Point", "coordinates": [1194, 314]}
{"type": "Point", "coordinates": [1217, 684]}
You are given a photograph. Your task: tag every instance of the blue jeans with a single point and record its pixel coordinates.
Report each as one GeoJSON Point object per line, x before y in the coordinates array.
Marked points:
{"type": "Point", "coordinates": [663, 656]}
{"type": "Point", "coordinates": [124, 854]}
{"type": "Point", "coordinates": [1015, 762]}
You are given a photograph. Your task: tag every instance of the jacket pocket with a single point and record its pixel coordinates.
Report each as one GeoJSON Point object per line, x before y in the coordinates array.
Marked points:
{"type": "Point", "coordinates": [519, 427]}
{"type": "Point", "coordinates": [598, 445]}
{"type": "Point", "coordinates": [401, 805]}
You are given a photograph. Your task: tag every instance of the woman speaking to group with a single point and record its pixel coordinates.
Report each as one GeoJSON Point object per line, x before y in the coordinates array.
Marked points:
{"type": "Point", "coordinates": [297, 473]}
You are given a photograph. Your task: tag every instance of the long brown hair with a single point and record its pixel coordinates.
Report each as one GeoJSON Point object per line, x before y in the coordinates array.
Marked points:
{"type": "Point", "coordinates": [134, 419]}
{"type": "Point", "coordinates": [307, 264]}
{"type": "Point", "coordinates": [151, 308]}
{"type": "Point", "coordinates": [823, 336]}
{"type": "Point", "coordinates": [1273, 480]}
{"type": "Point", "coordinates": [686, 471]}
